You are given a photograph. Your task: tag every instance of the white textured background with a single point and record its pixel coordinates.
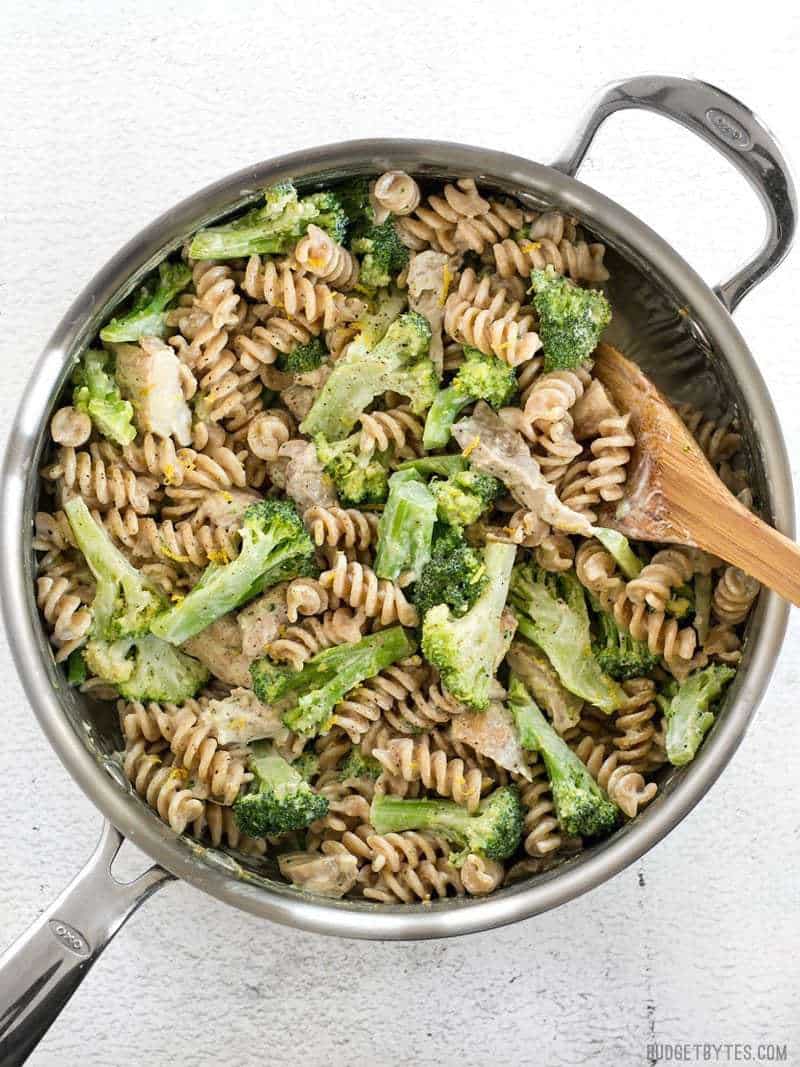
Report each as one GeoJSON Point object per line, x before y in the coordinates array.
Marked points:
{"type": "Point", "coordinates": [110, 113]}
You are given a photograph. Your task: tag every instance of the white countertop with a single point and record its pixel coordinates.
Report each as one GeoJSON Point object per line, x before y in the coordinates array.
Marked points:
{"type": "Point", "coordinates": [111, 113]}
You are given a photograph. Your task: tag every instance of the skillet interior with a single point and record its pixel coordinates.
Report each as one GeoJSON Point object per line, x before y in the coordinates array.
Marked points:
{"type": "Point", "coordinates": [651, 323]}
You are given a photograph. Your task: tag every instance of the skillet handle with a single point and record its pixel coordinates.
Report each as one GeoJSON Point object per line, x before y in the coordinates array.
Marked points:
{"type": "Point", "coordinates": [734, 131]}
{"type": "Point", "coordinates": [41, 970]}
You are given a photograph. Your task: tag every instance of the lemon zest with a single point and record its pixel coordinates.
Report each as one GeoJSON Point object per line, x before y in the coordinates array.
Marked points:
{"type": "Point", "coordinates": [470, 448]}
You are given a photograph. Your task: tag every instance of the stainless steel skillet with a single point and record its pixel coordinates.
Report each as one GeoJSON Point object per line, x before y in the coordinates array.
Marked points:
{"type": "Point", "coordinates": [665, 316]}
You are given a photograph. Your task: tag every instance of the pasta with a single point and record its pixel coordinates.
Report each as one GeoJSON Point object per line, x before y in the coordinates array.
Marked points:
{"type": "Point", "coordinates": [151, 500]}
{"type": "Point", "coordinates": [487, 320]}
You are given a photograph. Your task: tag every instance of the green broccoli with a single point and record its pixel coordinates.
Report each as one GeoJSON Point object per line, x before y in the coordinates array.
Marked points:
{"type": "Point", "coordinates": [304, 358]}
{"type": "Point", "coordinates": [146, 668]}
{"type": "Point", "coordinates": [360, 479]}
{"type": "Point", "coordinates": [384, 254]}
{"type": "Point", "coordinates": [356, 202]}
{"type": "Point", "coordinates": [405, 530]}
{"type": "Point", "coordinates": [399, 362]}
{"type": "Point", "coordinates": [463, 498]}
{"type": "Point", "coordinates": [620, 548]}
{"type": "Point", "coordinates": [552, 613]}
{"type": "Point", "coordinates": [307, 765]}
{"type": "Point", "coordinates": [454, 575]}
{"type": "Point", "coordinates": [275, 547]}
{"type": "Point", "coordinates": [571, 319]}
{"type": "Point", "coordinates": [480, 377]}
{"type": "Point", "coordinates": [125, 605]}
{"type": "Point", "coordinates": [279, 798]}
{"type": "Point", "coordinates": [97, 394]}
{"type": "Point", "coordinates": [467, 650]}
{"type": "Point", "coordinates": [148, 313]}
{"type": "Point", "coordinates": [357, 765]}
{"type": "Point", "coordinates": [427, 466]}
{"type": "Point", "coordinates": [313, 692]}
{"type": "Point", "coordinates": [493, 831]}
{"type": "Point", "coordinates": [582, 807]}
{"type": "Point", "coordinates": [76, 668]}
{"type": "Point", "coordinates": [689, 713]}
{"type": "Point", "coordinates": [619, 654]}
{"type": "Point", "coordinates": [275, 227]}
{"type": "Point", "coordinates": [125, 602]}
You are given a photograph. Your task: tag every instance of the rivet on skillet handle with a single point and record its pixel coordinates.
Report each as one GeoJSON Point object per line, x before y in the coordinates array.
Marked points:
{"type": "Point", "coordinates": [730, 127]}
{"type": "Point", "coordinates": [41, 970]}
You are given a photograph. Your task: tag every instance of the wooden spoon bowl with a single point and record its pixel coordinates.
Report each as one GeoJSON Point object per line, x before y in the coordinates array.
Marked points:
{"type": "Point", "coordinates": [673, 493]}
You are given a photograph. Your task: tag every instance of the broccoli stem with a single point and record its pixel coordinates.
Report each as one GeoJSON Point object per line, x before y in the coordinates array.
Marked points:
{"type": "Point", "coordinates": [405, 530]}
{"type": "Point", "coordinates": [113, 572]}
{"type": "Point", "coordinates": [442, 466]}
{"type": "Point", "coordinates": [689, 714]}
{"type": "Point", "coordinates": [393, 815]}
{"type": "Point", "coordinates": [444, 411]}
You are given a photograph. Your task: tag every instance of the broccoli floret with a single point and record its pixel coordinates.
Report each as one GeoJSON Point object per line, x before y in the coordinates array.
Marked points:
{"type": "Point", "coordinates": [357, 765]}
{"type": "Point", "coordinates": [493, 831]}
{"type": "Point", "coordinates": [384, 254]}
{"type": "Point", "coordinates": [279, 798]}
{"type": "Point", "coordinates": [467, 650]}
{"type": "Point", "coordinates": [405, 530]}
{"type": "Point", "coordinates": [304, 358]}
{"type": "Point", "coordinates": [125, 602]}
{"type": "Point", "coordinates": [76, 668]}
{"type": "Point", "coordinates": [97, 394]}
{"type": "Point", "coordinates": [480, 377]}
{"type": "Point", "coordinates": [146, 668]}
{"type": "Point", "coordinates": [356, 202]}
{"type": "Point", "coordinates": [552, 613]}
{"type": "Point", "coordinates": [307, 765]}
{"type": "Point", "coordinates": [454, 575]}
{"type": "Point", "coordinates": [275, 546]}
{"type": "Point", "coordinates": [314, 691]}
{"type": "Point", "coordinates": [443, 466]}
{"type": "Point", "coordinates": [619, 654]}
{"type": "Point", "coordinates": [689, 713]}
{"type": "Point", "coordinates": [463, 498]}
{"type": "Point", "coordinates": [148, 314]}
{"type": "Point", "coordinates": [274, 227]}
{"type": "Point", "coordinates": [398, 362]}
{"type": "Point", "coordinates": [359, 479]}
{"type": "Point", "coordinates": [582, 807]}
{"type": "Point", "coordinates": [571, 319]}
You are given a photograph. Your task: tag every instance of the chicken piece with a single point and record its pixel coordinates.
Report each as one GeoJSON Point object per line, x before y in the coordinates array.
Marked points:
{"type": "Point", "coordinates": [241, 718]}
{"type": "Point", "coordinates": [219, 647]}
{"type": "Point", "coordinates": [148, 374]}
{"type": "Point", "coordinates": [304, 479]}
{"type": "Point", "coordinates": [428, 278]}
{"type": "Point", "coordinates": [541, 678]}
{"type": "Point", "coordinates": [224, 507]}
{"type": "Point", "coordinates": [300, 395]}
{"type": "Point", "coordinates": [495, 449]}
{"type": "Point", "coordinates": [492, 733]}
{"type": "Point", "coordinates": [261, 621]}
{"type": "Point", "coordinates": [327, 875]}
{"type": "Point", "coordinates": [590, 410]}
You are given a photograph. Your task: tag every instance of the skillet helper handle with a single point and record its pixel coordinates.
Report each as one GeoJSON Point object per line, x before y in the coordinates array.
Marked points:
{"type": "Point", "coordinates": [41, 970]}
{"type": "Point", "coordinates": [730, 127]}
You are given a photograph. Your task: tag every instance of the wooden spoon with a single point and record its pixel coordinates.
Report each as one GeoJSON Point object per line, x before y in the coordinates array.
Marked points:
{"type": "Point", "coordinates": [673, 493]}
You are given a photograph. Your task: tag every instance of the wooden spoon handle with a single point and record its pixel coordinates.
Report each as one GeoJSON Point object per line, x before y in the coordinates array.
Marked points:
{"type": "Point", "coordinates": [743, 539]}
